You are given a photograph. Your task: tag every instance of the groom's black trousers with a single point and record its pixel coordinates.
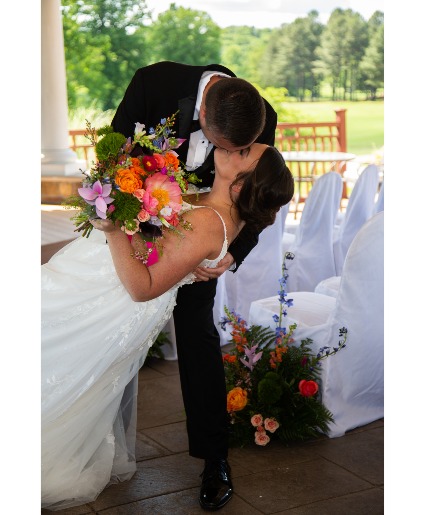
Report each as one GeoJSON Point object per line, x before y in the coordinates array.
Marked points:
{"type": "Point", "coordinates": [201, 370]}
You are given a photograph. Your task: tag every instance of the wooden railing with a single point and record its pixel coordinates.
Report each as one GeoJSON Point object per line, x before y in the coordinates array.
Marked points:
{"type": "Point", "coordinates": [81, 145]}
{"type": "Point", "coordinates": [317, 136]}
{"type": "Point", "coordinates": [320, 136]}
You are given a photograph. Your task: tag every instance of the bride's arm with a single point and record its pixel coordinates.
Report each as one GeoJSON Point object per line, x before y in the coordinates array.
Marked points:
{"type": "Point", "coordinates": [180, 255]}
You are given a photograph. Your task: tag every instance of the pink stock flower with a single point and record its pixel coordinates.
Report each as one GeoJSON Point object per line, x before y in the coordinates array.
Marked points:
{"type": "Point", "coordinates": [256, 420]}
{"type": "Point", "coordinates": [261, 438]}
{"type": "Point", "coordinates": [98, 196]}
{"type": "Point", "coordinates": [271, 424]}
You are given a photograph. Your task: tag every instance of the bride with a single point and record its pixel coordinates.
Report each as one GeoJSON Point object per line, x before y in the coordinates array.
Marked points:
{"type": "Point", "coordinates": [102, 310]}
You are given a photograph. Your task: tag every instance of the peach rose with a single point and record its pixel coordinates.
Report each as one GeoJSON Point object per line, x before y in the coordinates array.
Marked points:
{"type": "Point", "coordinates": [237, 399]}
{"type": "Point", "coordinates": [257, 420]}
{"type": "Point", "coordinates": [127, 181]}
{"type": "Point", "coordinates": [143, 215]}
{"type": "Point", "coordinates": [308, 388]}
{"type": "Point", "coordinates": [261, 438]}
{"type": "Point", "coordinates": [271, 424]}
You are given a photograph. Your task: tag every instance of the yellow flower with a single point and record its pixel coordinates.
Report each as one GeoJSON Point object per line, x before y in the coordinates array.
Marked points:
{"type": "Point", "coordinates": [237, 399]}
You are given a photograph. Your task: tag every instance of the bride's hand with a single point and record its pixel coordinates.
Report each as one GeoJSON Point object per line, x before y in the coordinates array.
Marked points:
{"type": "Point", "coordinates": [103, 225]}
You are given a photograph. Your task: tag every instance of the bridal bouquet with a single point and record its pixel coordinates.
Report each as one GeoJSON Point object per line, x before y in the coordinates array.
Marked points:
{"type": "Point", "coordinates": [273, 386]}
{"type": "Point", "coordinates": [132, 191]}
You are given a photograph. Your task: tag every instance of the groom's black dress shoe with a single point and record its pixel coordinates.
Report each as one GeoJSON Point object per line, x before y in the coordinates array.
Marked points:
{"type": "Point", "coordinates": [217, 488]}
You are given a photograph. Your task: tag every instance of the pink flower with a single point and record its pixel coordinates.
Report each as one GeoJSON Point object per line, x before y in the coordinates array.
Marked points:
{"type": "Point", "coordinates": [160, 193]}
{"type": "Point", "coordinates": [271, 424]}
{"type": "Point", "coordinates": [257, 420]}
{"type": "Point", "coordinates": [153, 256]}
{"type": "Point", "coordinates": [139, 194]}
{"type": "Point", "coordinates": [261, 438]}
{"type": "Point", "coordinates": [143, 216]}
{"type": "Point", "coordinates": [97, 195]}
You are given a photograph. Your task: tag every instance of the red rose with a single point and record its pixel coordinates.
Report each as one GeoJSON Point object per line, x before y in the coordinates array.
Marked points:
{"type": "Point", "coordinates": [308, 388]}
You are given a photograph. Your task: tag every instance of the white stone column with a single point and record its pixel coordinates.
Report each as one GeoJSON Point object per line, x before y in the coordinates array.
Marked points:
{"type": "Point", "coordinates": [57, 158]}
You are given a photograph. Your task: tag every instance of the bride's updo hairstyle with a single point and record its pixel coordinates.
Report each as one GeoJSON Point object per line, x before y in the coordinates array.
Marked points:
{"type": "Point", "coordinates": [265, 189]}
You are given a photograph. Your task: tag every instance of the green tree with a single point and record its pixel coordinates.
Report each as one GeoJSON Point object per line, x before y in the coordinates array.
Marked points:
{"type": "Point", "coordinates": [342, 47]}
{"type": "Point", "coordinates": [103, 47]}
{"type": "Point", "coordinates": [184, 35]}
{"type": "Point", "coordinates": [242, 50]}
{"type": "Point", "coordinates": [292, 52]}
{"type": "Point", "coordinates": [372, 64]}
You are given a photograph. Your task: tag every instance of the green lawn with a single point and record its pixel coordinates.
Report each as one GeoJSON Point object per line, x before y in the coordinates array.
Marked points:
{"type": "Point", "coordinates": [365, 121]}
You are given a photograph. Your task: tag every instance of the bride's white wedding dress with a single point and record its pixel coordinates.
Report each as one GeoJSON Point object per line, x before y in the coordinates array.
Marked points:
{"type": "Point", "coordinates": [94, 340]}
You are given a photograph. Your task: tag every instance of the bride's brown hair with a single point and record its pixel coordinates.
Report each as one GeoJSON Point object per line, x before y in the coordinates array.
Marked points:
{"type": "Point", "coordinates": [264, 190]}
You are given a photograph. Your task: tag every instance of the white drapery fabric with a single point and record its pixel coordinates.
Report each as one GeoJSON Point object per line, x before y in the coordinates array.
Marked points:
{"type": "Point", "coordinates": [352, 381]}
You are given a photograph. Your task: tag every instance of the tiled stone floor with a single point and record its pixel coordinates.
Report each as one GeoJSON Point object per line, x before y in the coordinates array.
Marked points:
{"type": "Point", "coordinates": [322, 477]}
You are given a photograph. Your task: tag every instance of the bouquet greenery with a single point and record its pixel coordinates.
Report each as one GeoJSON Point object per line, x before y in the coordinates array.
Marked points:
{"type": "Point", "coordinates": [273, 385]}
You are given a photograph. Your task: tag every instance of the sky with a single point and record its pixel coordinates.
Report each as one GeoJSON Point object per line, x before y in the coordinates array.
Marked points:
{"type": "Point", "coordinates": [266, 13]}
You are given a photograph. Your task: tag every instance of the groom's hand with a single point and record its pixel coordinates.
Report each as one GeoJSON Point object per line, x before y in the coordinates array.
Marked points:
{"type": "Point", "coordinates": [203, 273]}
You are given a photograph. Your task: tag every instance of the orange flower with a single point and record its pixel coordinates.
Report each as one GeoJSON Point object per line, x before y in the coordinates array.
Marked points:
{"type": "Point", "coordinates": [171, 160]}
{"type": "Point", "coordinates": [237, 399]}
{"type": "Point", "coordinates": [229, 358]}
{"type": "Point", "coordinates": [128, 181]}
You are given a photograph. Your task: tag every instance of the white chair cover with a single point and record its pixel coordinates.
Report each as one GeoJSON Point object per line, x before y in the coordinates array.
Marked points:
{"type": "Point", "coordinates": [359, 209]}
{"type": "Point", "coordinates": [352, 381]}
{"type": "Point", "coordinates": [329, 286]}
{"type": "Point", "coordinates": [313, 243]}
{"type": "Point", "coordinates": [256, 278]}
{"type": "Point", "coordinates": [379, 204]}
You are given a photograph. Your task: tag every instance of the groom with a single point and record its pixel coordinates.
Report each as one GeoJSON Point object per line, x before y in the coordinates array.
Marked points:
{"type": "Point", "coordinates": [216, 109]}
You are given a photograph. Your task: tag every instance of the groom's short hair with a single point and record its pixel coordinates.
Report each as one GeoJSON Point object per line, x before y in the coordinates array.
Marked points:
{"type": "Point", "coordinates": [235, 110]}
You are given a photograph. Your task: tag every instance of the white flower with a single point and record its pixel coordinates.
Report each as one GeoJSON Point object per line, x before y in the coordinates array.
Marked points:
{"type": "Point", "coordinates": [140, 128]}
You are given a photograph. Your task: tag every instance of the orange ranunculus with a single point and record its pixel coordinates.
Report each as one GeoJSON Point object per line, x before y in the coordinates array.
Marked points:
{"type": "Point", "coordinates": [171, 160]}
{"type": "Point", "coordinates": [160, 161]}
{"type": "Point", "coordinates": [128, 181]}
{"type": "Point", "coordinates": [237, 399]}
{"type": "Point", "coordinates": [229, 358]}
{"type": "Point", "coordinates": [308, 388]}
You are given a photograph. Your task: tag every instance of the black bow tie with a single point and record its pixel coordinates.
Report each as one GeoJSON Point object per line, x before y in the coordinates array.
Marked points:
{"type": "Point", "coordinates": [195, 126]}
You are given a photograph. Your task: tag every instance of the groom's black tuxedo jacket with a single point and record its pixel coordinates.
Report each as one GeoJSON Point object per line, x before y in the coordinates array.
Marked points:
{"type": "Point", "coordinates": [159, 90]}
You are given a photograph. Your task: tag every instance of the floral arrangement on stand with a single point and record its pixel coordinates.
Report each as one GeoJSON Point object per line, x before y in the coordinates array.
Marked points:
{"type": "Point", "coordinates": [135, 192]}
{"type": "Point", "coordinates": [273, 385]}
